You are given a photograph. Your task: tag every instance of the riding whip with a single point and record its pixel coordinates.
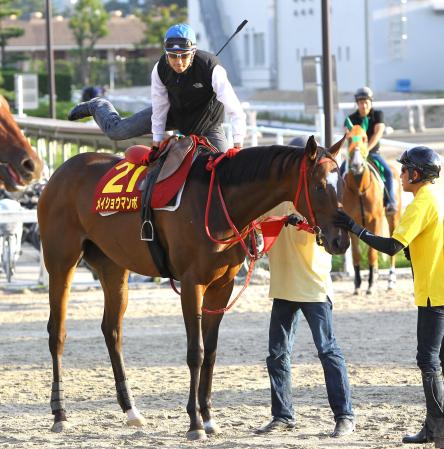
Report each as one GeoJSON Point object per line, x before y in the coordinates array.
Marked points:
{"type": "Point", "coordinates": [244, 22]}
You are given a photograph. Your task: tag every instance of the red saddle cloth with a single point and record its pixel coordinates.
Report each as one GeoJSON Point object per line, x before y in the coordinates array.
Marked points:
{"type": "Point", "coordinates": [119, 188]}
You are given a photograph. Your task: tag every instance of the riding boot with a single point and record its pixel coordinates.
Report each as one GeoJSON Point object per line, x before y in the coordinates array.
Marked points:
{"type": "Point", "coordinates": [423, 436]}
{"type": "Point", "coordinates": [434, 394]}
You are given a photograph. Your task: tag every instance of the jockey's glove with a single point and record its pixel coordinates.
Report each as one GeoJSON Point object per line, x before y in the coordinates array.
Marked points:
{"type": "Point", "coordinates": [344, 221]}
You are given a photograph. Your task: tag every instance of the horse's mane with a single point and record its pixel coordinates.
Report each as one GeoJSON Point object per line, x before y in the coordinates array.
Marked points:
{"type": "Point", "coordinates": [249, 164]}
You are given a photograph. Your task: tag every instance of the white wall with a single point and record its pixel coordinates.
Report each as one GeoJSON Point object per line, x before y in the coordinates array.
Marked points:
{"type": "Point", "coordinates": [300, 34]}
{"type": "Point", "coordinates": [420, 57]}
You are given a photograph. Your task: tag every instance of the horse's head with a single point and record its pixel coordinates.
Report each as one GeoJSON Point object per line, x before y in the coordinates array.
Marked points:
{"type": "Point", "coordinates": [19, 163]}
{"type": "Point", "coordinates": [357, 146]}
{"type": "Point", "coordinates": [325, 187]}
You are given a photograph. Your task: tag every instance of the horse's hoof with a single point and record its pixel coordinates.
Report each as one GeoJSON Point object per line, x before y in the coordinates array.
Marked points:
{"type": "Point", "coordinates": [211, 428]}
{"type": "Point", "coordinates": [59, 426]}
{"type": "Point", "coordinates": [369, 292]}
{"type": "Point", "coordinates": [135, 418]}
{"type": "Point", "coordinates": [356, 292]}
{"type": "Point", "coordinates": [136, 422]}
{"type": "Point", "coordinates": [194, 435]}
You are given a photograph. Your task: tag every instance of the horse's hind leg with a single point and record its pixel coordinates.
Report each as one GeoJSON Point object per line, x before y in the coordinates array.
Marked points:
{"type": "Point", "coordinates": [114, 281]}
{"type": "Point", "coordinates": [215, 298]}
{"type": "Point", "coordinates": [60, 262]}
{"type": "Point", "coordinates": [392, 222]}
{"type": "Point", "coordinates": [191, 300]}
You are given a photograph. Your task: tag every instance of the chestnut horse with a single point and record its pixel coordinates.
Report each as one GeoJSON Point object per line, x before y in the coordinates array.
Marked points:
{"type": "Point", "coordinates": [364, 202]}
{"type": "Point", "coordinates": [252, 182]}
{"type": "Point", "coordinates": [19, 163]}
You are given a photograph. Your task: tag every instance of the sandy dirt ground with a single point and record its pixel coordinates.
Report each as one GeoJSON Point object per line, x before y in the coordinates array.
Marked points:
{"type": "Point", "coordinates": [376, 334]}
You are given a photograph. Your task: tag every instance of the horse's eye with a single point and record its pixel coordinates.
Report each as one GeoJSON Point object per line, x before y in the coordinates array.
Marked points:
{"type": "Point", "coordinates": [320, 188]}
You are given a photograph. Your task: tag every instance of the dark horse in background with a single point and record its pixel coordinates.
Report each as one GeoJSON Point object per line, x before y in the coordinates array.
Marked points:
{"type": "Point", "coordinates": [364, 202]}
{"type": "Point", "coordinates": [19, 163]}
{"type": "Point", "coordinates": [252, 182]}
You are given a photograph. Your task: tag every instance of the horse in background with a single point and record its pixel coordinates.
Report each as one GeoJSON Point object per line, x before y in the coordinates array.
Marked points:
{"type": "Point", "coordinates": [19, 163]}
{"type": "Point", "coordinates": [364, 202]}
{"type": "Point", "coordinates": [252, 183]}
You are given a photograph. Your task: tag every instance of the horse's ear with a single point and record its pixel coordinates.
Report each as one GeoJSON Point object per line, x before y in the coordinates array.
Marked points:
{"type": "Point", "coordinates": [334, 149]}
{"type": "Point", "coordinates": [348, 124]}
{"type": "Point", "coordinates": [364, 124]}
{"type": "Point", "coordinates": [311, 148]}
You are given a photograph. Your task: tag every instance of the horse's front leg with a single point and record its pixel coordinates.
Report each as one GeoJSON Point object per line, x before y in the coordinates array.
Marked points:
{"type": "Point", "coordinates": [375, 228]}
{"type": "Point", "coordinates": [356, 256]}
{"type": "Point", "coordinates": [215, 298]}
{"type": "Point", "coordinates": [191, 299]}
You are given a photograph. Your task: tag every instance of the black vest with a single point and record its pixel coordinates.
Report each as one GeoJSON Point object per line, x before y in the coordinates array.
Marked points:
{"type": "Point", "coordinates": [194, 108]}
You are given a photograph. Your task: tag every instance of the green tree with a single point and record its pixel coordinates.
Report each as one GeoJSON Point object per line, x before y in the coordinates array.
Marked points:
{"type": "Point", "coordinates": [88, 24]}
{"type": "Point", "coordinates": [7, 32]}
{"type": "Point", "coordinates": [27, 7]}
{"type": "Point", "coordinates": [158, 19]}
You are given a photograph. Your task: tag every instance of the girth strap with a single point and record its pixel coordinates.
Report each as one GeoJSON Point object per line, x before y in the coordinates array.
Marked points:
{"type": "Point", "coordinates": [148, 230]}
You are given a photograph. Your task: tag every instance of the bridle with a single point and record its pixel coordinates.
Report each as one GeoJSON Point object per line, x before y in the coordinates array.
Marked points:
{"type": "Point", "coordinates": [303, 183]}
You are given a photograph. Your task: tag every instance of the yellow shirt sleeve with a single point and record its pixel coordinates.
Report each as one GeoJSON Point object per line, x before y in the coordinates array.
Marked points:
{"type": "Point", "coordinates": [413, 221]}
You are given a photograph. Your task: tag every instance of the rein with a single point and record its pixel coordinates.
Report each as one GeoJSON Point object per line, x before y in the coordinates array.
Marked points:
{"type": "Point", "coordinates": [239, 237]}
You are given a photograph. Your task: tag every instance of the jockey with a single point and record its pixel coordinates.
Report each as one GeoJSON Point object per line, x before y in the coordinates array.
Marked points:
{"type": "Point", "coordinates": [420, 233]}
{"type": "Point", "coordinates": [190, 92]}
{"type": "Point", "coordinates": [364, 99]}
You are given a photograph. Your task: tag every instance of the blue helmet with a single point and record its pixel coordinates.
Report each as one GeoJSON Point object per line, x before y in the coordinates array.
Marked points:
{"type": "Point", "coordinates": [180, 37]}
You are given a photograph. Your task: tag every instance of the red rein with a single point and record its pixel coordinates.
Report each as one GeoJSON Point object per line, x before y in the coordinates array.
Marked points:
{"type": "Point", "coordinates": [239, 238]}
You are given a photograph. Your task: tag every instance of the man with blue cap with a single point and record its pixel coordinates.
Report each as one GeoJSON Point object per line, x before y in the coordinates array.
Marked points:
{"type": "Point", "coordinates": [190, 93]}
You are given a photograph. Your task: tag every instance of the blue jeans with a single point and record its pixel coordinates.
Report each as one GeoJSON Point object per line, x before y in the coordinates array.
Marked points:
{"type": "Point", "coordinates": [118, 128]}
{"type": "Point", "coordinates": [285, 316]}
{"type": "Point", "coordinates": [389, 193]}
{"type": "Point", "coordinates": [430, 335]}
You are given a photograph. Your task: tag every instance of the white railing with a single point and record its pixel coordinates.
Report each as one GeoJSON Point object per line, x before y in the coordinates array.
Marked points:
{"type": "Point", "coordinates": [411, 105]}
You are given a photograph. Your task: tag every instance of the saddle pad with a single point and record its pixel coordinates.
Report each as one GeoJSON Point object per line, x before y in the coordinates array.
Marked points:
{"type": "Point", "coordinates": [119, 188]}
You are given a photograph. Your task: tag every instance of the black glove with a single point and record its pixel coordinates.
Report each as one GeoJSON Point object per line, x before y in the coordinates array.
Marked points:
{"type": "Point", "coordinates": [294, 219]}
{"type": "Point", "coordinates": [407, 252]}
{"type": "Point", "coordinates": [344, 221]}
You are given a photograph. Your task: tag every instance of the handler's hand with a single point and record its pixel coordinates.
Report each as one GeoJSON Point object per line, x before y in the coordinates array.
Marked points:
{"type": "Point", "coordinates": [344, 221]}
{"type": "Point", "coordinates": [294, 219]}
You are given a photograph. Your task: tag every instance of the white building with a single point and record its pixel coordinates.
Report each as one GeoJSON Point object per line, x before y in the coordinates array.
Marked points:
{"type": "Point", "coordinates": [375, 42]}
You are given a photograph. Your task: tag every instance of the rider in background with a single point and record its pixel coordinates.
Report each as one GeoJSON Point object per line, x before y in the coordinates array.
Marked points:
{"type": "Point", "coordinates": [420, 233]}
{"type": "Point", "coordinates": [376, 126]}
{"type": "Point", "coordinates": [190, 92]}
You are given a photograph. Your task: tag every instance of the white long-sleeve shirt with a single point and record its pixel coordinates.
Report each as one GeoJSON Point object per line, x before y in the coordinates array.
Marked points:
{"type": "Point", "coordinates": [224, 93]}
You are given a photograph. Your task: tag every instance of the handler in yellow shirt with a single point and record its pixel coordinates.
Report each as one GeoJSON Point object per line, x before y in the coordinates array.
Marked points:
{"type": "Point", "coordinates": [300, 283]}
{"type": "Point", "coordinates": [421, 233]}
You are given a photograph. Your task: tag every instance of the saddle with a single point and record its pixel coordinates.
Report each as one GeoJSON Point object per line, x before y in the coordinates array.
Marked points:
{"type": "Point", "coordinates": [162, 183]}
{"type": "Point", "coordinates": [120, 189]}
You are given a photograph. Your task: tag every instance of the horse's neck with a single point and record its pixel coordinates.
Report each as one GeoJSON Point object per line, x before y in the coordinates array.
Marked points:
{"type": "Point", "coordinates": [252, 200]}
{"type": "Point", "coordinates": [360, 183]}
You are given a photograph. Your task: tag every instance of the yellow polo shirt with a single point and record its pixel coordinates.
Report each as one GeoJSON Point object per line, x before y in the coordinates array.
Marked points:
{"type": "Point", "coordinates": [422, 229]}
{"type": "Point", "coordinates": [299, 268]}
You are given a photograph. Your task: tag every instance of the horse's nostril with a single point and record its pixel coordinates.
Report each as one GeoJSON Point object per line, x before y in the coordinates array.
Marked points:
{"type": "Point", "coordinates": [28, 165]}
